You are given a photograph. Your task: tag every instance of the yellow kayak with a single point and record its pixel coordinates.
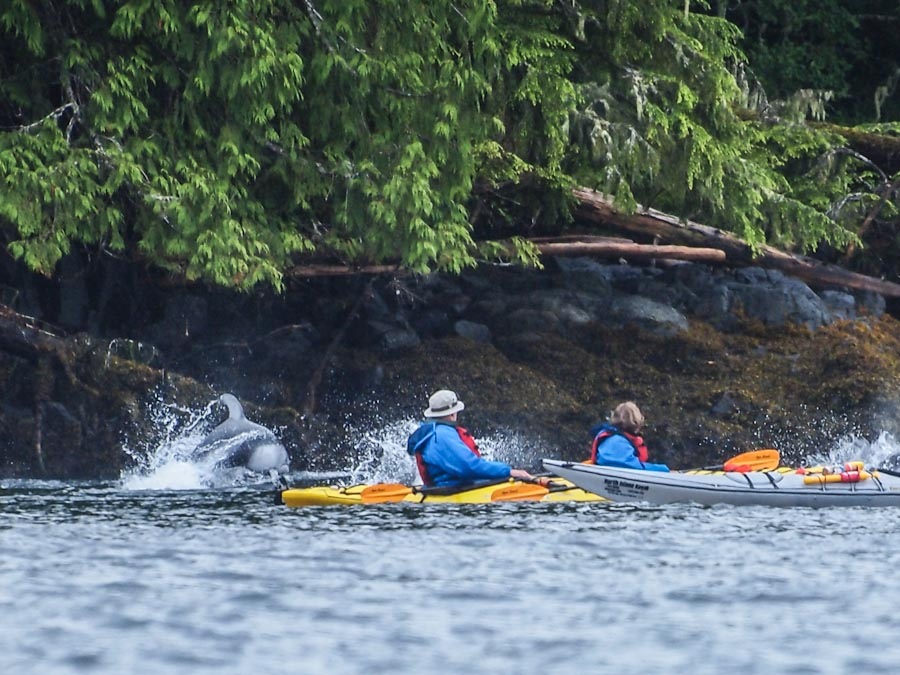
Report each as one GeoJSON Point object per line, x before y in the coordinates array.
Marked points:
{"type": "Point", "coordinates": [381, 493]}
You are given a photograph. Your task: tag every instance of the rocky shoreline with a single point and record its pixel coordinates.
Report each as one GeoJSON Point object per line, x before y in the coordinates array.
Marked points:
{"type": "Point", "coordinates": [720, 360]}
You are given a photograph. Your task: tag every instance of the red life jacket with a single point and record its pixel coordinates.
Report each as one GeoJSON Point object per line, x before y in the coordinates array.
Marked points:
{"type": "Point", "coordinates": [423, 472]}
{"type": "Point", "coordinates": [469, 441]}
{"type": "Point", "coordinates": [640, 448]}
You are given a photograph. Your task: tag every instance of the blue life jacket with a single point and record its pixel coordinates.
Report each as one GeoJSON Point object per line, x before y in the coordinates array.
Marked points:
{"type": "Point", "coordinates": [614, 447]}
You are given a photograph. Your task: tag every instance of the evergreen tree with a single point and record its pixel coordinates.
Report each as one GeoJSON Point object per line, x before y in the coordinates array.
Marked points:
{"type": "Point", "coordinates": [221, 139]}
{"type": "Point", "coordinates": [228, 140]}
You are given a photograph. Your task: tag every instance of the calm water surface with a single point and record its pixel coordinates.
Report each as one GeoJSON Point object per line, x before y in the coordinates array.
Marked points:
{"type": "Point", "coordinates": [95, 578]}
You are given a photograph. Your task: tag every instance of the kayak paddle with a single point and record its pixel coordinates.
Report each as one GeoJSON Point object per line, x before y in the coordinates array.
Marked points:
{"type": "Point", "coordinates": [519, 492]}
{"type": "Point", "coordinates": [384, 492]}
{"type": "Point", "coordinates": [754, 460]}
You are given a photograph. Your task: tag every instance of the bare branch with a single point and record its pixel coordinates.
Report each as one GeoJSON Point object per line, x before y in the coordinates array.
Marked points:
{"type": "Point", "coordinates": [55, 114]}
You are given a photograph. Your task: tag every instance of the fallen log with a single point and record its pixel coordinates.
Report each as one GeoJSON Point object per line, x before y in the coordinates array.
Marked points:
{"type": "Point", "coordinates": [322, 270]}
{"type": "Point", "coordinates": [563, 245]}
{"type": "Point", "coordinates": [631, 250]}
{"type": "Point", "coordinates": [597, 208]}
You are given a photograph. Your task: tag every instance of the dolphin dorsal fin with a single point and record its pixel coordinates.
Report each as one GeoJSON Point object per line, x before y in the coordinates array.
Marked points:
{"type": "Point", "coordinates": [235, 411]}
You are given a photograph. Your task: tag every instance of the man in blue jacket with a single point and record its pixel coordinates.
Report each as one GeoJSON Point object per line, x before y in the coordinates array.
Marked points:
{"type": "Point", "coordinates": [446, 454]}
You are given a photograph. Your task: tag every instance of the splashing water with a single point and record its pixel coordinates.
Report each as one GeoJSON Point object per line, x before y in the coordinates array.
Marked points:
{"type": "Point", "coordinates": [168, 460]}
{"type": "Point", "coordinates": [875, 453]}
{"type": "Point", "coordinates": [381, 457]}
{"type": "Point", "coordinates": [514, 449]}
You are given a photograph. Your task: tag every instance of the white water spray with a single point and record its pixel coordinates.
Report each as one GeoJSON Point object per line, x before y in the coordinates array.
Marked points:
{"type": "Point", "coordinates": [380, 456]}
{"type": "Point", "coordinates": [875, 453]}
{"type": "Point", "coordinates": [168, 459]}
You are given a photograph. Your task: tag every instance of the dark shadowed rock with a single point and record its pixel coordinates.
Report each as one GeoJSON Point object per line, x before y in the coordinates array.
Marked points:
{"type": "Point", "coordinates": [472, 331]}
{"type": "Point", "coordinates": [531, 321]}
{"type": "Point", "coordinates": [774, 299]}
{"type": "Point", "coordinates": [430, 323]}
{"type": "Point", "coordinates": [398, 339]}
{"type": "Point", "coordinates": [840, 305]}
{"type": "Point", "coordinates": [185, 321]}
{"type": "Point", "coordinates": [645, 314]}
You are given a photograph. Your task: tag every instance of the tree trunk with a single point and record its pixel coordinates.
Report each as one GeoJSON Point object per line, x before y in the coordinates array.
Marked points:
{"type": "Point", "coordinates": [881, 149]}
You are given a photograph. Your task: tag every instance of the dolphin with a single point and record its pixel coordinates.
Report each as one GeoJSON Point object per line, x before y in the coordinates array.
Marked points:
{"type": "Point", "coordinates": [239, 442]}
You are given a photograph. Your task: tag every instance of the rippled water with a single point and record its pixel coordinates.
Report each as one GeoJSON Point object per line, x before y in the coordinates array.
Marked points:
{"type": "Point", "coordinates": [177, 569]}
{"type": "Point", "coordinates": [98, 578]}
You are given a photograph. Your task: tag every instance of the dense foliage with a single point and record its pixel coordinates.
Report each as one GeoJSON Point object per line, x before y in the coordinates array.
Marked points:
{"type": "Point", "coordinates": [229, 140]}
{"type": "Point", "coordinates": [847, 49]}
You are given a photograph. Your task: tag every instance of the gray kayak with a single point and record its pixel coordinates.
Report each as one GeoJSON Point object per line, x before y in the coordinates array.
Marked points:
{"type": "Point", "coordinates": [768, 488]}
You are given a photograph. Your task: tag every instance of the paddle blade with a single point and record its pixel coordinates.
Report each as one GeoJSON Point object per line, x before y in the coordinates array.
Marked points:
{"type": "Point", "coordinates": [384, 492]}
{"type": "Point", "coordinates": [755, 460]}
{"type": "Point", "coordinates": [518, 492]}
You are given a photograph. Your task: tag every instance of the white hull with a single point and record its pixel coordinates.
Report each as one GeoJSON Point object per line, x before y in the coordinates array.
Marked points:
{"type": "Point", "coordinates": [741, 489]}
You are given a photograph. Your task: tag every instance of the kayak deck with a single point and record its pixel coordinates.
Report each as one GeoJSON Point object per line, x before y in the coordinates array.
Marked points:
{"type": "Point", "coordinates": [382, 493]}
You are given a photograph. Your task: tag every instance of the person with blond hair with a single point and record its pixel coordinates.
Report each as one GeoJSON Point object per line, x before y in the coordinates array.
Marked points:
{"type": "Point", "coordinates": [618, 441]}
{"type": "Point", "coordinates": [446, 454]}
